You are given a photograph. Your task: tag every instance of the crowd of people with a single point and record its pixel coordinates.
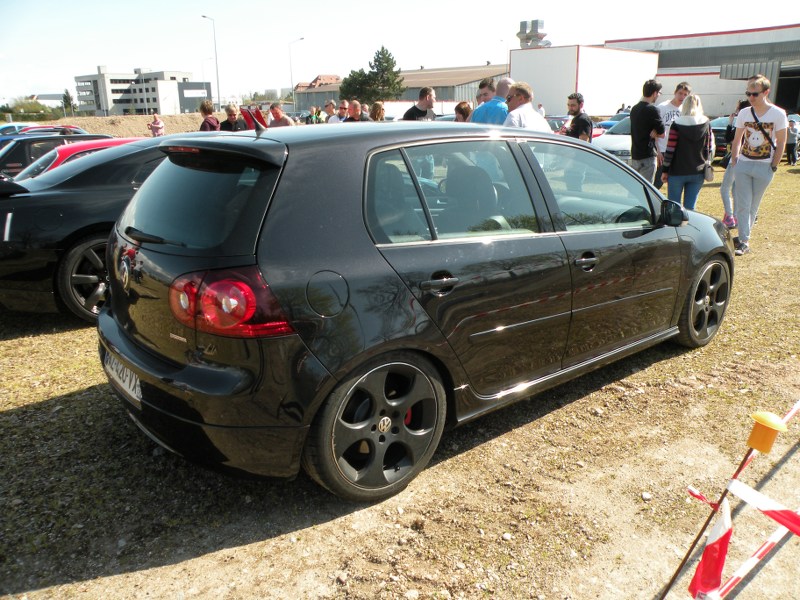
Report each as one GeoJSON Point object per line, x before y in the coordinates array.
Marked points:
{"type": "Point", "coordinates": [672, 142]}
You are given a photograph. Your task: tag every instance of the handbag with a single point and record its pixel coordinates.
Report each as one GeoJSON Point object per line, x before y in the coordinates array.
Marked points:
{"type": "Point", "coordinates": [708, 172]}
{"type": "Point", "coordinates": [725, 160]}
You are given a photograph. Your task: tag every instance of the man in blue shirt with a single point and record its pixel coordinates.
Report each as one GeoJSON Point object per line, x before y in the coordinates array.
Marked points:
{"type": "Point", "coordinates": [494, 111]}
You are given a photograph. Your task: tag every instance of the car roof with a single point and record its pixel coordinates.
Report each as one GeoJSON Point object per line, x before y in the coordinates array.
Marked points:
{"type": "Point", "coordinates": [379, 133]}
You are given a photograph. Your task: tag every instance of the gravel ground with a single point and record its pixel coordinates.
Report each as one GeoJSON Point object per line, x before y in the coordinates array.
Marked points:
{"type": "Point", "coordinates": [577, 493]}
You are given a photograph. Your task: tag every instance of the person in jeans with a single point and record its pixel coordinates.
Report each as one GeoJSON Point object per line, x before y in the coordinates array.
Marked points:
{"type": "Point", "coordinates": [791, 143]}
{"type": "Point", "coordinates": [756, 152]}
{"type": "Point", "coordinates": [726, 187]}
{"type": "Point", "coordinates": [689, 146]}
{"type": "Point", "coordinates": [646, 127]}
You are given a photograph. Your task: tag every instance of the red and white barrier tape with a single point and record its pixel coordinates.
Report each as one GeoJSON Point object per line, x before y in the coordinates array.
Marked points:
{"type": "Point", "coordinates": [751, 562]}
{"type": "Point", "coordinates": [775, 511]}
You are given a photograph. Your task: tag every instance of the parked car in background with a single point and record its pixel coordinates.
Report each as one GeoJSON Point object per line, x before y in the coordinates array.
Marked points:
{"type": "Point", "coordinates": [718, 128]}
{"type": "Point", "coordinates": [612, 120]}
{"type": "Point", "coordinates": [12, 128]}
{"type": "Point", "coordinates": [22, 150]}
{"type": "Point", "coordinates": [617, 140]}
{"type": "Point", "coordinates": [67, 153]}
{"type": "Point", "coordinates": [556, 122]}
{"type": "Point", "coordinates": [65, 129]}
{"type": "Point", "coordinates": [55, 228]}
{"type": "Point", "coordinates": [260, 319]}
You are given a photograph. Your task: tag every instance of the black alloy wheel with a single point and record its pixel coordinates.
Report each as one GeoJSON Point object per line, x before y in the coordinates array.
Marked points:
{"type": "Point", "coordinates": [706, 304]}
{"type": "Point", "coordinates": [378, 429]}
{"type": "Point", "coordinates": [82, 277]}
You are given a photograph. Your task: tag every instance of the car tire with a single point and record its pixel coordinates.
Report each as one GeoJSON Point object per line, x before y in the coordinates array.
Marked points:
{"type": "Point", "coordinates": [82, 277]}
{"type": "Point", "coordinates": [706, 304]}
{"type": "Point", "coordinates": [378, 429]}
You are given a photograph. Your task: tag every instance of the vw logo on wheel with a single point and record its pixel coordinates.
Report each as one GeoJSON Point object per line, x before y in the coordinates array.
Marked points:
{"type": "Point", "coordinates": [384, 425]}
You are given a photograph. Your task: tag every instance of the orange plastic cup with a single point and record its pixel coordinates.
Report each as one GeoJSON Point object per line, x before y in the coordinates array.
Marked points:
{"type": "Point", "coordinates": [765, 431]}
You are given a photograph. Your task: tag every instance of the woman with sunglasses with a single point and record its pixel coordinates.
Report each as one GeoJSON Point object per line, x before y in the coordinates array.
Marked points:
{"type": "Point", "coordinates": [755, 154]}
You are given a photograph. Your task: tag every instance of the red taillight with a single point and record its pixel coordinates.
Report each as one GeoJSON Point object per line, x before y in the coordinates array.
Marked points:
{"type": "Point", "coordinates": [231, 302]}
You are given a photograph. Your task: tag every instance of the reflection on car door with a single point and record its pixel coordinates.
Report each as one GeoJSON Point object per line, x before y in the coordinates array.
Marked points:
{"type": "Point", "coordinates": [625, 269]}
{"type": "Point", "coordinates": [456, 222]}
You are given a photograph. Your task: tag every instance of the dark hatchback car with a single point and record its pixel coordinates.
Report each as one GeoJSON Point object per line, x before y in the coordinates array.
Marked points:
{"type": "Point", "coordinates": [264, 315]}
{"type": "Point", "coordinates": [24, 149]}
{"type": "Point", "coordinates": [55, 228]}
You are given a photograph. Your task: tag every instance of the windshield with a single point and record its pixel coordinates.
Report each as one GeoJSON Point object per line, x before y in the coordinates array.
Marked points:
{"type": "Point", "coordinates": [621, 128]}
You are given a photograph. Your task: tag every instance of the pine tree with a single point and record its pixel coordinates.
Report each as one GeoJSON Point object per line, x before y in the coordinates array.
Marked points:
{"type": "Point", "coordinates": [382, 82]}
{"type": "Point", "coordinates": [387, 83]}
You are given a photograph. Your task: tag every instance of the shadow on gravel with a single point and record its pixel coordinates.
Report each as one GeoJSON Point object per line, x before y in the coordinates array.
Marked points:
{"type": "Point", "coordinates": [89, 496]}
{"type": "Point", "coordinates": [507, 419]}
{"type": "Point", "coordinates": [19, 324]}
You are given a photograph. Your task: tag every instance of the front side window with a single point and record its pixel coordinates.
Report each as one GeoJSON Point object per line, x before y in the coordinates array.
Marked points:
{"type": "Point", "coordinates": [448, 190]}
{"type": "Point", "coordinates": [590, 191]}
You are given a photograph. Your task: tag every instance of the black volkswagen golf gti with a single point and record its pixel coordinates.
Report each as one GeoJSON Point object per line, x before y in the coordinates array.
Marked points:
{"type": "Point", "coordinates": [332, 297]}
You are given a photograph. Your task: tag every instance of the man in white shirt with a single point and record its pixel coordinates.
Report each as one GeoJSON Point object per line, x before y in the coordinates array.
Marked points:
{"type": "Point", "coordinates": [521, 112]}
{"type": "Point", "coordinates": [341, 113]}
{"type": "Point", "coordinates": [670, 110]}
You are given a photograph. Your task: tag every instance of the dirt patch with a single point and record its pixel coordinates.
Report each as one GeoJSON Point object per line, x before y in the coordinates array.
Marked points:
{"type": "Point", "coordinates": [136, 125]}
{"type": "Point", "coordinates": [576, 493]}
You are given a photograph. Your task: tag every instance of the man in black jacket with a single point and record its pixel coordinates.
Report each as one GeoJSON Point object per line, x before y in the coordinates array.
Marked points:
{"type": "Point", "coordinates": [646, 126]}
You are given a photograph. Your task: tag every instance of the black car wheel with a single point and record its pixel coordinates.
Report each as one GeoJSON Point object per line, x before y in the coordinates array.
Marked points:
{"type": "Point", "coordinates": [706, 303]}
{"type": "Point", "coordinates": [378, 429]}
{"type": "Point", "coordinates": [82, 275]}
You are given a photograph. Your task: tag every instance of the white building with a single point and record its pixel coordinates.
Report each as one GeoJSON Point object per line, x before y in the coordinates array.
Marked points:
{"type": "Point", "coordinates": [555, 72]}
{"type": "Point", "coordinates": [717, 64]}
{"type": "Point", "coordinates": [140, 92]}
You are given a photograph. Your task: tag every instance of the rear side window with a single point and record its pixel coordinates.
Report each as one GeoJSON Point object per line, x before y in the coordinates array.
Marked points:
{"type": "Point", "coordinates": [207, 202]}
{"type": "Point", "coordinates": [38, 167]}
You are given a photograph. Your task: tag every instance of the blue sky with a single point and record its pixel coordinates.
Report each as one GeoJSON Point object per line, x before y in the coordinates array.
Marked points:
{"type": "Point", "coordinates": [45, 44]}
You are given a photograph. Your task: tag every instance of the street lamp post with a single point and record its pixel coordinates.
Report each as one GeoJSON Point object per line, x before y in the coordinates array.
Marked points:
{"type": "Point", "coordinates": [291, 76]}
{"type": "Point", "coordinates": [216, 59]}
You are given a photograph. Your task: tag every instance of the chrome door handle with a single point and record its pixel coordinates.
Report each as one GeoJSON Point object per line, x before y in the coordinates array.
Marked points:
{"type": "Point", "coordinates": [438, 284]}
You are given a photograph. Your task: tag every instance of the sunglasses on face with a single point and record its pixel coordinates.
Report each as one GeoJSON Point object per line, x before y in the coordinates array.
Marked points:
{"type": "Point", "coordinates": [752, 94]}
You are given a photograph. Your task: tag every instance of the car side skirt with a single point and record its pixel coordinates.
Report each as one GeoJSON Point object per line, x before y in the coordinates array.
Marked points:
{"type": "Point", "coordinates": [470, 405]}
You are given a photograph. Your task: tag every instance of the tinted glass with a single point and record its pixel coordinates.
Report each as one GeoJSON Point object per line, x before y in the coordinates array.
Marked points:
{"type": "Point", "coordinates": [203, 201]}
{"type": "Point", "coordinates": [591, 191]}
{"type": "Point", "coordinates": [472, 188]}
{"type": "Point", "coordinates": [394, 210]}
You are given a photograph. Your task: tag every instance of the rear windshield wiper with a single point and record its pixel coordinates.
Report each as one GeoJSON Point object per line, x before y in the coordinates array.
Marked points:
{"type": "Point", "coordinates": [146, 238]}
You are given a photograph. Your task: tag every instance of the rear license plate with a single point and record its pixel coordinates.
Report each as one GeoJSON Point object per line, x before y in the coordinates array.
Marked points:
{"type": "Point", "coordinates": [124, 378]}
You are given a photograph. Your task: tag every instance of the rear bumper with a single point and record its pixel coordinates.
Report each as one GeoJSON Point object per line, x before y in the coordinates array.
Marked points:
{"type": "Point", "coordinates": [230, 418]}
{"type": "Point", "coordinates": [262, 451]}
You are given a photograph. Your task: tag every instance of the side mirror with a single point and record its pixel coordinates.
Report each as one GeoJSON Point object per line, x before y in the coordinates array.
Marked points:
{"type": "Point", "coordinates": [673, 214]}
